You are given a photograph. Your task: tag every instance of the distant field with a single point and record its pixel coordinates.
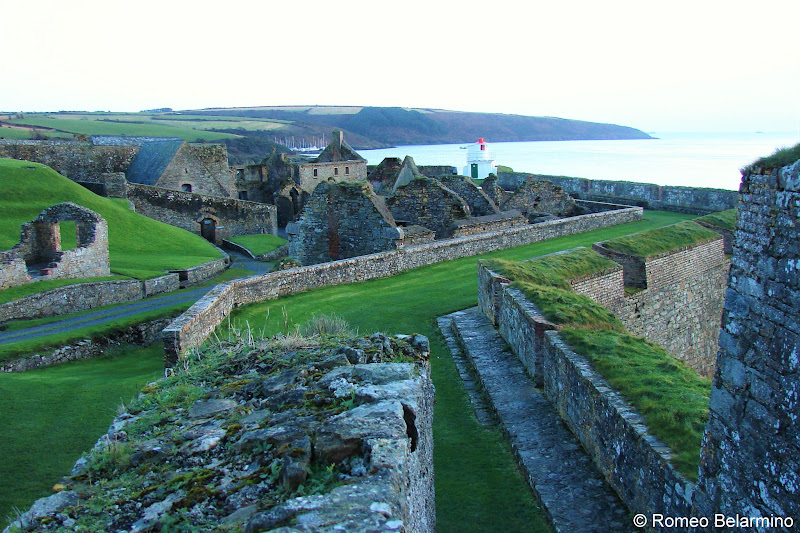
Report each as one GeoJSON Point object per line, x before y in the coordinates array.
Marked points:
{"type": "Point", "coordinates": [139, 246]}
{"type": "Point", "coordinates": [106, 125]}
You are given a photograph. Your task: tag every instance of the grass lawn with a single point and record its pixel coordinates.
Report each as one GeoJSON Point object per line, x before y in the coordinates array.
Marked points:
{"type": "Point", "coordinates": [662, 240]}
{"type": "Point", "coordinates": [477, 483]}
{"type": "Point", "coordinates": [259, 244]}
{"type": "Point", "coordinates": [52, 415]}
{"type": "Point", "coordinates": [139, 247]}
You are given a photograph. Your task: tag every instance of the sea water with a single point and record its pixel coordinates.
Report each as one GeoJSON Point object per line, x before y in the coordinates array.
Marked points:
{"type": "Point", "coordinates": [688, 159]}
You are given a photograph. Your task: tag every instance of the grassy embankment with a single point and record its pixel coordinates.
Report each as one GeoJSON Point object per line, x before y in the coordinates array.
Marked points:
{"type": "Point", "coordinates": [670, 396]}
{"type": "Point", "coordinates": [139, 247]}
{"type": "Point", "coordinates": [782, 157]}
{"type": "Point", "coordinates": [723, 219]}
{"type": "Point", "coordinates": [477, 484]}
{"type": "Point", "coordinates": [259, 244]}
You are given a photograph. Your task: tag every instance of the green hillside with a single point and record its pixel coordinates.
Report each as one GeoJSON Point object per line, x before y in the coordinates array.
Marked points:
{"type": "Point", "coordinates": [139, 247]}
{"type": "Point", "coordinates": [252, 133]}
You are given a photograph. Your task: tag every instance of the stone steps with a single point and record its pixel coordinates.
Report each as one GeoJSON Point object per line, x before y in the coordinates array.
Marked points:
{"type": "Point", "coordinates": [562, 476]}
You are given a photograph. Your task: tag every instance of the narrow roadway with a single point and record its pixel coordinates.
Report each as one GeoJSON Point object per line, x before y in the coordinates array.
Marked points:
{"type": "Point", "coordinates": [140, 306]}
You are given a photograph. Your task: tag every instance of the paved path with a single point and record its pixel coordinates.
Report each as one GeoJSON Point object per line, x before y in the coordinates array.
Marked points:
{"type": "Point", "coordinates": [562, 476]}
{"type": "Point", "coordinates": [149, 304]}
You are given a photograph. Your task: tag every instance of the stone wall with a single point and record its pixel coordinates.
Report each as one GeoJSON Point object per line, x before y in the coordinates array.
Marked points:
{"type": "Point", "coordinates": [681, 304]}
{"type": "Point", "coordinates": [634, 463]}
{"type": "Point", "coordinates": [426, 202]}
{"type": "Point", "coordinates": [488, 223]}
{"type": "Point", "coordinates": [83, 296]}
{"type": "Point", "coordinates": [193, 327]}
{"type": "Point", "coordinates": [200, 273]}
{"type": "Point", "coordinates": [340, 406]}
{"type": "Point", "coordinates": [188, 211]}
{"type": "Point", "coordinates": [204, 167]}
{"type": "Point", "coordinates": [534, 197]}
{"type": "Point", "coordinates": [76, 160]}
{"type": "Point", "coordinates": [341, 221]}
{"type": "Point", "coordinates": [750, 462]}
{"type": "Point", "coordinates": [143, 334]}
{"type": "Point", "coordinates": [696, 200]}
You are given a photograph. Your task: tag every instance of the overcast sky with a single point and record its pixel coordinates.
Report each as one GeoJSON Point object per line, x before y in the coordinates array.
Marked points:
{"type": "Point", "coordinates": [699, 65]}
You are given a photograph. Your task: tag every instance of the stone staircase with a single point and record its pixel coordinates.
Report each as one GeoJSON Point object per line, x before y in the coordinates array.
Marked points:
{"type": "Point", "coordinates": [564, 479]}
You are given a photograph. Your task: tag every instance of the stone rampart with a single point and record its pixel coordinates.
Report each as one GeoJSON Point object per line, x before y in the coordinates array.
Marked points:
{"type": "Point", "coordinates": [750, 462]}
{"type": "Point", "coordinates": [633, 462]}
{"type": "Point", "coordinates": [83, 296]}
{"type": "Point", "coordinates": [696, 200]}
{"type": "Point", "coordinates": [200, 273]}
{"type": "Point", "coordinates": [76, 160]}
{"type": "Point", "coordinates": [679, 307]}
{"type": "Point", "coordinates": [188, 211]}
{"type": "Point", "coordinates": [193, 327]}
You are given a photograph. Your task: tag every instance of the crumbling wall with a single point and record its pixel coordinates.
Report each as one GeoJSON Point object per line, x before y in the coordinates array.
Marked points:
{"type": "Point", "coordinates": [39, 251]}
{"type": "Point", "coordinates": [536, 197]}
{"type": "Point", "coordinates": [494, 222]}
{"type": "Point", "coordinates": [426, 202]}
{"type": "Point", "coordinates": [479, 203]}
{"type": "Point", "coordinates": [750, 463]}
{"type": "Point", "coordinates": [340, 221]}
{"type": "Point", "coordinates": [189, 211]}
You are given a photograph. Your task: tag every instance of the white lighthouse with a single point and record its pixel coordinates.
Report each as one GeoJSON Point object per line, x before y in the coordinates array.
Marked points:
{"type": "Point", "coordinates": [480, 162]}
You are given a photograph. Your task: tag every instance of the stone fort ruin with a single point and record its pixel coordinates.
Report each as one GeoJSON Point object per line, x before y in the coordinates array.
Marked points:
{"type": "Point", "coordinates": [40, 256]}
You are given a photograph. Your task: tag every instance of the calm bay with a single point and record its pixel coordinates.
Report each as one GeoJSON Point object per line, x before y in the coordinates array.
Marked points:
{"type": "Point", "coordinates": [689, 159]}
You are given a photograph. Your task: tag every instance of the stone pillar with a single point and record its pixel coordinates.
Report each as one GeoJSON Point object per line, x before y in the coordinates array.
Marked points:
{"type": "Point", "coordinates": [750, 462]}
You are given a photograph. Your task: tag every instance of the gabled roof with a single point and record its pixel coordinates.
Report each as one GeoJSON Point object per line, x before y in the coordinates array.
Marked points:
{"type": "Point", "coordinates": [151, 161]}
{"type": "Point", "coordinates": [338, 150]}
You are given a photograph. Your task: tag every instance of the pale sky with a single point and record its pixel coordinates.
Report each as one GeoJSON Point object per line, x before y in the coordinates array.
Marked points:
{"type": "Point", "coordinates": [699, 65]}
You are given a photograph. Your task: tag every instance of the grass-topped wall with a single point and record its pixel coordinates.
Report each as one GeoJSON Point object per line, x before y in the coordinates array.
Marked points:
{"type": "Point", "coordinates": [670, 396]}
{"type": "Point", "coordinates": [663, 240]}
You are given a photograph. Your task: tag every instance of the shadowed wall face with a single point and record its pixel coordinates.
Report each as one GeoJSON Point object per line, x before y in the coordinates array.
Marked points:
{"type": "Point", "coordinates": [750, 463]}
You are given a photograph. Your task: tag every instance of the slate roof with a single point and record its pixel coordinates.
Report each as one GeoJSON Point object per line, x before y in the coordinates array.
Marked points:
{"type": "Point", "coordinates": [151, 161]}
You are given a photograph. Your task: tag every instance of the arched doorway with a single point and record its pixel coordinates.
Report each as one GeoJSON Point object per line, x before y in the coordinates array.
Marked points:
{"type": "Point", "coordinates": [208, 229]}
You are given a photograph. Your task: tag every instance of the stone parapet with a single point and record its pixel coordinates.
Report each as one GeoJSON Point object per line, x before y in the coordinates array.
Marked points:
{"type": "Point", "coordinates": [695, 200]}
{"type": "Point", "coordinates": [193, 327]}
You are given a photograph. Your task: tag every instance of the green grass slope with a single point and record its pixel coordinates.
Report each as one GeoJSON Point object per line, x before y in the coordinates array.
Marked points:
{"type": "Point", "coordinates": [138, 246]}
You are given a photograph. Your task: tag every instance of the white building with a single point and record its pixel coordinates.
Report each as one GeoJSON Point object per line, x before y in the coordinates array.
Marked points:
{"type": "Point", "coordinates": [480, 162]}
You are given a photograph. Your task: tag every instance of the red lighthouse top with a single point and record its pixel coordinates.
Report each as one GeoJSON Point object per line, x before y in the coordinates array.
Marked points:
{"type": "Point", "coordinates": [481, 140]}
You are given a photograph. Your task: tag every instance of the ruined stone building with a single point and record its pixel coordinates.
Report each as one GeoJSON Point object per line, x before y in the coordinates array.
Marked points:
{"type": "Point", "coordinates": [188, 185]}
{"type": "Point", "coordinates": [537, 199]}
{"type": "Point", "coordinates": [342, 220]}
{"type": "Point", "coordinates": [39, 255]}
{"type": "Point", "coordinates": [181, 166]}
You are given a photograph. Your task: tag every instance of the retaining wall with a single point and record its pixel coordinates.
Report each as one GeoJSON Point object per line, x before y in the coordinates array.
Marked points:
{"type": "Point", "coordinates": [193, 327]}
{"type": "Point", "coordinates": [634, 462]}
{"type": "Point", "coordinates": [143, 334]}
{"type": "Point", "coordinates": [696, 200]}
{"type": "Point", "coordinates": [83, 296]}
